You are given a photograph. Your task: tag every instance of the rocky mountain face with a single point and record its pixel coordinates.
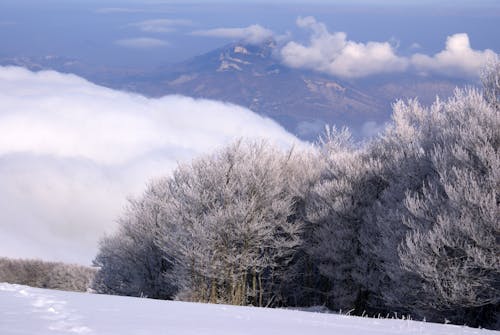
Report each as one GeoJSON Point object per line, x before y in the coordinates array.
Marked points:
{"type": "Point", "coordinates": [251, 76]}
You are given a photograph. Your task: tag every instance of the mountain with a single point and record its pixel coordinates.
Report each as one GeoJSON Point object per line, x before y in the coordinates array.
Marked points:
{"type": "Point", "coordinates": [252, 76]}
{"type": "Point", "coordinates": [106, 76]}
{"type": "Point", "coordinates": [302, 101]}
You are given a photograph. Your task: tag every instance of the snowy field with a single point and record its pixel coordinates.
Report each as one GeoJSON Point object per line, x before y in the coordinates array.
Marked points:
{"type": "Point", "coordinates": [26, 310]}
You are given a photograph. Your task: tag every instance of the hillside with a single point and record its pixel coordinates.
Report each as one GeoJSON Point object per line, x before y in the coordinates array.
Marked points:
{"type": "Point", "coordinates": [26, 310]}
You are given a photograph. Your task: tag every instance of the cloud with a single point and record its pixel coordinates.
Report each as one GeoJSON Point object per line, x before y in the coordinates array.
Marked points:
{"type": "Point", "coordinates": [415, 46]}
{"type": "Point", "coordinates": [457, 59]}
{"type": "Point", "coordinates": [71, 152]}
{"type": "Point", "coordinates": [161, 25]}
{"type": "Point", "coordinates": [334, 54]}
{"type": "Point", "coordinates": [372, 128]}
{"type": "Point", "coordinates": [113, 10]}
{"type": "Point", "coordinates": [141, 43]}
{"type": "Point", "coordinates": [310, 128]}
{"type": "Point", "coordinates": [253, 34]}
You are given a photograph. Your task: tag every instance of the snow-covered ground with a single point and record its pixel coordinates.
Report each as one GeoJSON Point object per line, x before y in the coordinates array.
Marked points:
{"type": "Point", "coordinates": [26, 310]}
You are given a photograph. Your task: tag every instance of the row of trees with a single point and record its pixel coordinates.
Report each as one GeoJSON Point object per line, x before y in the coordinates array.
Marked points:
{"type": "Point", "coordinates": [53, 275]}
{"type": "Point", "coordinates": [406, 223]}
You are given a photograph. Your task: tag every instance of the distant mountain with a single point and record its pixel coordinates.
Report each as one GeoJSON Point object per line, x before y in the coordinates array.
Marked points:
{"type": "Point", "coordinates": [108, 76]}
{"type": "Point", "coordinates": [251, 76]}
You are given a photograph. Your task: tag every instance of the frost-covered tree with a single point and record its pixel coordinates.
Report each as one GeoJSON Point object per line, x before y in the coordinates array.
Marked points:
{"type": "Point", "coordinates": [490, 78]}
{"type": "Point", "coordinates": [434, 229]}
{"type": "Point", "coordinates": [332, 211]}
{"type": "Point", "coordinates": [336, 207]}
{"type": "Point", "coordinates": [131, 262]}
{"type": "Point", "coordinates": [53, 275]}
{"type": "Point", "coordinates": [453, 244]}
{"type": "Point", "coordinates": [409, 223]}
{"type": "Point", "coordinates": [398, 159]}
{"type": "Point", "coordinates": [230, 224]}
{"type": "Point", "coordinates": [223, 228]}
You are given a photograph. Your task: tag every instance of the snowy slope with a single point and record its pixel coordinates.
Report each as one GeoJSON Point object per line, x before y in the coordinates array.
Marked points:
{"type": "Point", "coordinates": [26, 310]}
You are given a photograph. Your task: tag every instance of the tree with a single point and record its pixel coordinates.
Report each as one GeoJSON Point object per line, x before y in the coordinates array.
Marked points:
{"type": "Point", "coordinates": [453, 242]}
{"type": "Point", "coordinates": [409, 223]}
{"type": "Point", "coordinates": [336, 207]}
{"type": "Point", "coordinates": [435, 226]}
{"type": "Point", "coordinates": [399, 164]}
{"type": "Point", "coordinates": [229, 224]}
{"type": "Point", "coordinates": [490, 78]}
{"type": "Point", "coordinates": [223, 228]}
{"type": "Point", "coordinates": [131, 262]}
{"type": "Point", "coordinates": [53, 275]}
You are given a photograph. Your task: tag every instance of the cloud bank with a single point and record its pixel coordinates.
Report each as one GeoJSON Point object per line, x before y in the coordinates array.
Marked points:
{"type": "Point", "coordinates": [334, 54]}
{"type": "Point", "coordinates": [72, 151]}
{"type": "Point", "coordinates": [253, 34]}
{"type": "Point", "coordinates": [161, 25]}
{"type": "Point", "coordinates": [141, 43]}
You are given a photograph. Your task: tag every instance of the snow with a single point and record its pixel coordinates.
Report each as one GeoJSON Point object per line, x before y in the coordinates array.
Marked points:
{"type": "Point", "coordinates": [241, 50]}
{"type": "Point", "coordinates": [26, 310]}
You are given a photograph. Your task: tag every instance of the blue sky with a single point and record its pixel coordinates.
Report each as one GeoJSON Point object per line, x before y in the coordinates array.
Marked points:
{"type": "Point", "coordinates": [97, 31]}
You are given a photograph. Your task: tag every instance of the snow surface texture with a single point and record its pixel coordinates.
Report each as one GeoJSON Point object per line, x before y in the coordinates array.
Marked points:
{"type": "Point", "coordinates": [26, 310]}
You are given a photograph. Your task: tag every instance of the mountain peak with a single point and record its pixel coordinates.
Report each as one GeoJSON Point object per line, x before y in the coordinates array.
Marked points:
{"type": "Point", "coordinates": [238, 56]}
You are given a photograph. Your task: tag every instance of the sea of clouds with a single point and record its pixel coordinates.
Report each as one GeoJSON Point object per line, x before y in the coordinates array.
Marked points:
{"type": "Point", "coordinates": [71, 152]}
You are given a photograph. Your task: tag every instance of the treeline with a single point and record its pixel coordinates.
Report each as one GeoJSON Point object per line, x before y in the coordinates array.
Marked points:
{"type": "Point", "coordinates": [52, 275]}
{"type": "Point", "coordinates": [407, 223]}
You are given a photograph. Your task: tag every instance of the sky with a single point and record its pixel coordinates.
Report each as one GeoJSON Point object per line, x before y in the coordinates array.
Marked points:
{"type": "Point", "coordinates": [71, 152]}
{"type": "Point", "coordinates": [150, 33]}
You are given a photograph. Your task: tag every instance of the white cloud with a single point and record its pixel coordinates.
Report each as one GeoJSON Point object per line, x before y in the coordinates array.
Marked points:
{"type": "Point", "coordinates": [71, 151]}
{"type": "Point", "coordinates": [141, 42]}
{"type": "Point", "coordinates": [161, 25]}
{"type": "Point", "coordinates": [253, 34]}
{"type": "Point", "coordinates": [457, 59]}
{"type": "Point", "coordinates": [334, 54]}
